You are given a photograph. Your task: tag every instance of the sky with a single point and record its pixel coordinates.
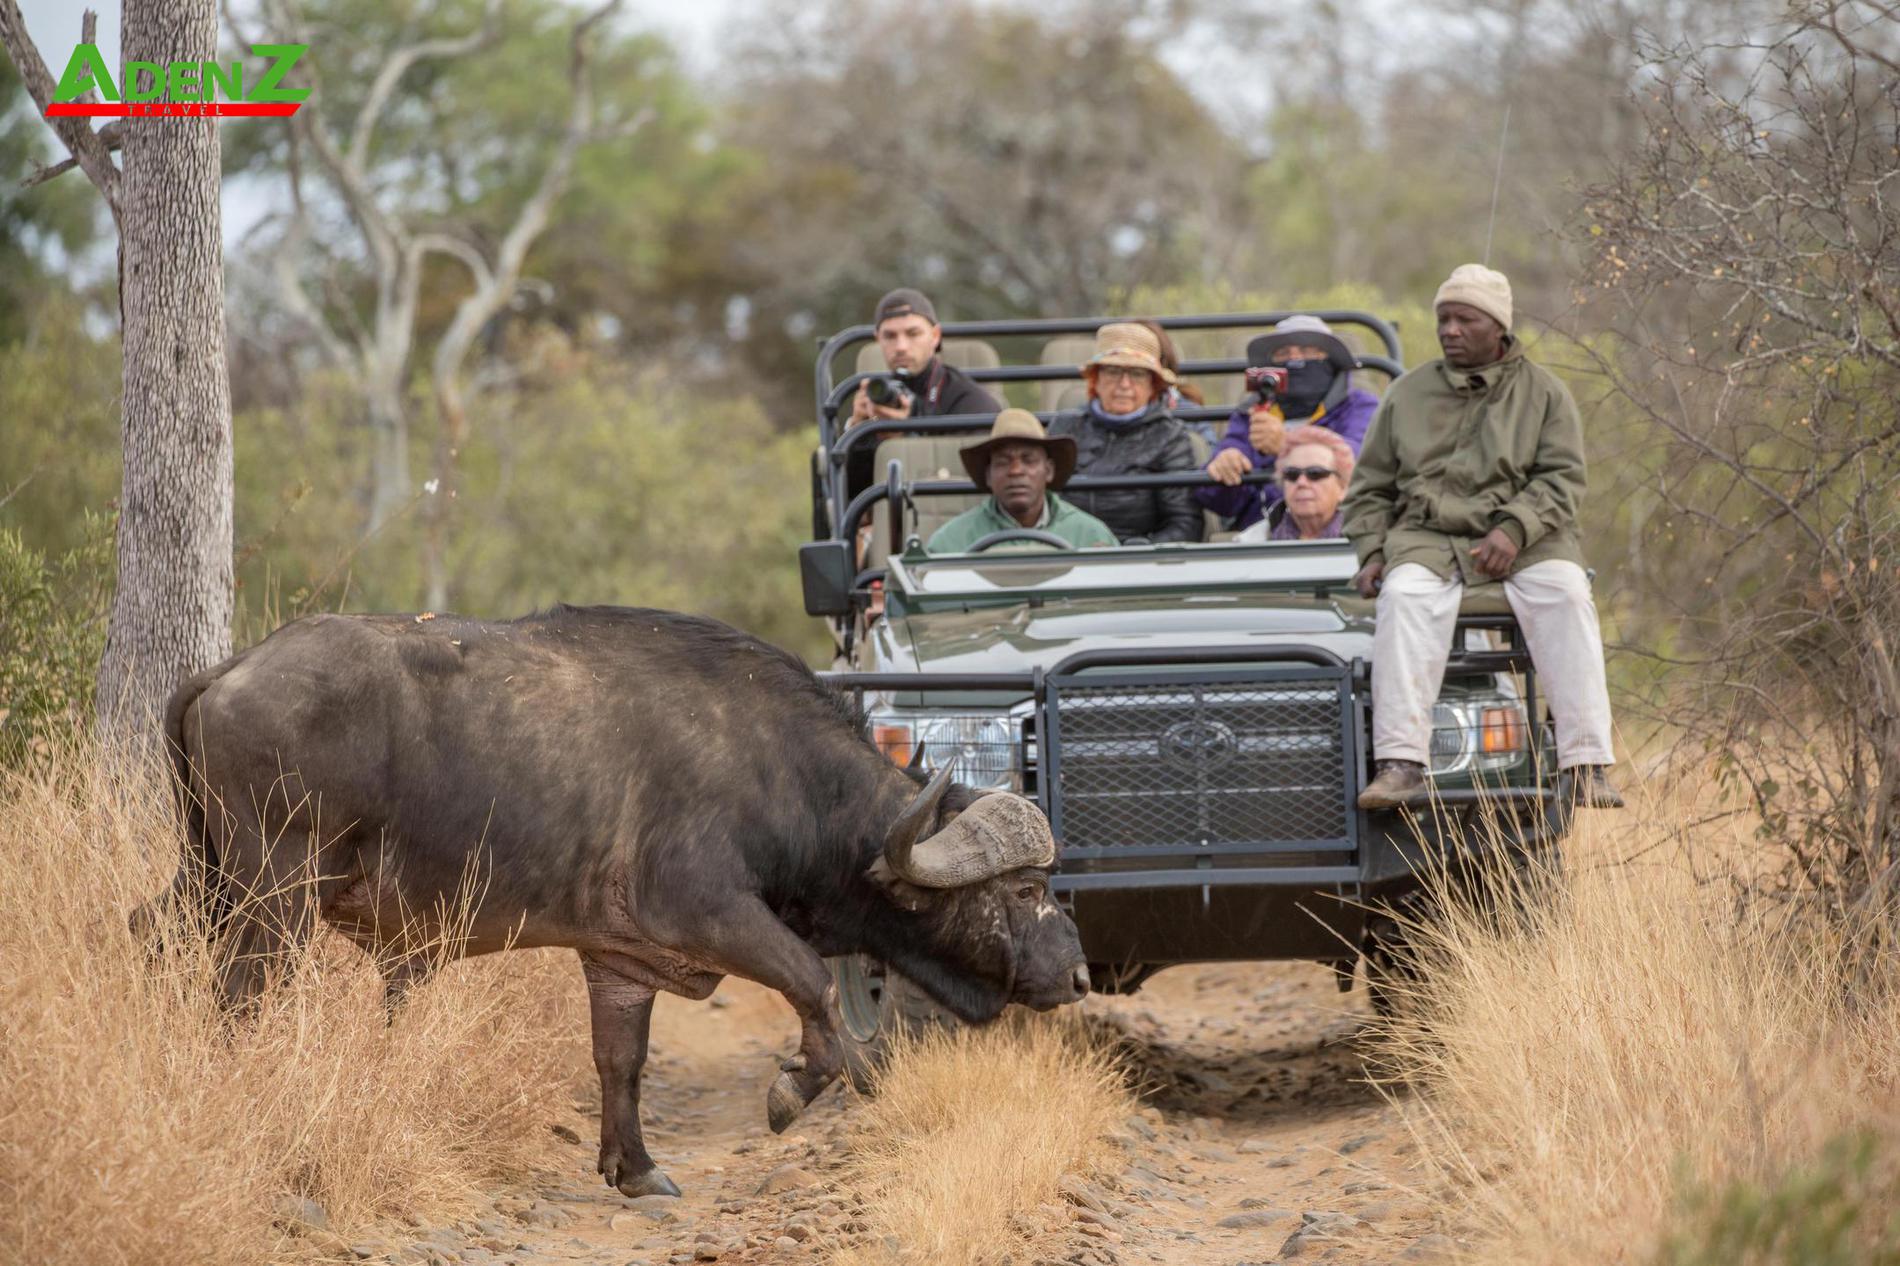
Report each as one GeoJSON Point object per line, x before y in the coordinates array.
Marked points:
{"type": "Point", "coordinates": [1230, 85]}
{"type": "Point", "coordinates": [694, 29]}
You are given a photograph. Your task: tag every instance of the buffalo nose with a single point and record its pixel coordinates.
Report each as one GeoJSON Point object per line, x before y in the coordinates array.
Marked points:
{"type": "Point", "coordinates": [1080, 979]}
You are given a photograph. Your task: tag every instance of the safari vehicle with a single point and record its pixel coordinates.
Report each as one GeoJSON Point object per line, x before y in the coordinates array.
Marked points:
{"type": "Point", "coordinates": [1194, 719]}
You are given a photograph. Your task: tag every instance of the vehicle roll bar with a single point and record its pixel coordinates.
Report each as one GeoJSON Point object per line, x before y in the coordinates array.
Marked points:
{"type": "Point", "coordinates": [894, 489]}
{"type": "Point", "coordinates": [833, 403]}
{"type": "Point", "coordinates": [1382, 329]}
{"type": "Point", "coordinates": [842, 445]}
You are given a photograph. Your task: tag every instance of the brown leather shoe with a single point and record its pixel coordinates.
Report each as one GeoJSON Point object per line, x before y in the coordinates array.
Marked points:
{"type": "Point", "coordinates": [1588, 787]}
{"type": "Point", "coordinates": [1395, 784]}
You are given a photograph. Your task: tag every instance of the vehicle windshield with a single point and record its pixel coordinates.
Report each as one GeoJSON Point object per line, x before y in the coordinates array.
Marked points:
{"type": "Point", "coordinates": [1319, 569]}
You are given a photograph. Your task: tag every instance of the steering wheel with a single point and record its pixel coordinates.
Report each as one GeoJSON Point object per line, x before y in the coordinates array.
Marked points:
{"type": "Point", "coordinates": [1017, 534]}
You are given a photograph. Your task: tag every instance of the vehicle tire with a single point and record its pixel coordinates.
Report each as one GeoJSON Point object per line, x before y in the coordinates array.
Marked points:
{"type": "Point", "coordinates": [1392, 970]}
{"type": "Point", "coordinates": [875, 1004]}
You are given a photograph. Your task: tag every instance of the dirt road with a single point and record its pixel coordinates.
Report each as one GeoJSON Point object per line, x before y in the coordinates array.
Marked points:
{"type": "Point", "coordinates": [1257, 1143]}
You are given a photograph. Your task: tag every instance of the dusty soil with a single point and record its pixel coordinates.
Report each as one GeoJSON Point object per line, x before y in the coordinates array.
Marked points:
{"type": "Point", "coordinates": [1259, 1141]}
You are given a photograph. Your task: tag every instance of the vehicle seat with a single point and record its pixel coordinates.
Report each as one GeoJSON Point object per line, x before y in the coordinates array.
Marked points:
{"type": "Point", "coordinates": [964, 353]}
{"type": "Point", "coordinates": [924, 457]}
{"type": "Point", "coordinates": [1484, 600]}
{"type": "Point", "coordinates": [1063, 394]}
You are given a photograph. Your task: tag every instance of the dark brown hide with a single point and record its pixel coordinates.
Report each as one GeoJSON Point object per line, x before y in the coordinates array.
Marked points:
{"type": "Point", "coordinates": [675, 800]}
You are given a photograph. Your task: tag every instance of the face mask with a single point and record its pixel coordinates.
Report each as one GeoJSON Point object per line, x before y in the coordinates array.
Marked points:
{"type": "Point", "coordinates": [1307, 382]}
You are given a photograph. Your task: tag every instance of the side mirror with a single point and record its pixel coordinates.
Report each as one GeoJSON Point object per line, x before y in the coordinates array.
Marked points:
{"type": "Point", "coordinates": [825, 571]}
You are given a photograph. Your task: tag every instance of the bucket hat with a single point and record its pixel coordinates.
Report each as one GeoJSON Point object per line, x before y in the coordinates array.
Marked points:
{"type": "Point", "coordinates": [1302, 331]}
{"type": "Point", "coordinates": [1132, 346]}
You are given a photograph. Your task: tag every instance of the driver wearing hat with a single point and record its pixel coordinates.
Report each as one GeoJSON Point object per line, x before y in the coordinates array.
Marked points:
{"type": "Point", "coordinates": [1018, 465]}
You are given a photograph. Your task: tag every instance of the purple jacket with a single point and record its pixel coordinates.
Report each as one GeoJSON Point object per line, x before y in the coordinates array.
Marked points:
{"type": "Point", "coordinates": [1247, 504]}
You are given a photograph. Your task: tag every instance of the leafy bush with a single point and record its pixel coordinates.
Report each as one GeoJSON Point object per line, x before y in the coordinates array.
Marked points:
{"type": "Point", "coordinates": [1840, 1210]}
{"type": "Point", "coordinates": [52, 631]}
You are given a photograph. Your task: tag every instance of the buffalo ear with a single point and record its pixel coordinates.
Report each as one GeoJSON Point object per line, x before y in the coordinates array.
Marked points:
{"type": "Point", "coordinates": [903, 894]}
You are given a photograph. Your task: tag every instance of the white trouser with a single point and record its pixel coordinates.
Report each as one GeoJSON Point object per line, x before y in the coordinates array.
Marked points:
{"type": "Point", "coordinates": [1418, 613]}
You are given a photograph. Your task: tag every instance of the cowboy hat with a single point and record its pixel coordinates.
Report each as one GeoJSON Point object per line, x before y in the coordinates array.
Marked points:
{"type": "Point", "coordinates": [1131, 346]}
{"type": "Point", "coordinates": [1302, 331]}
{"type": "Point", "coordinates": [1018, 426]}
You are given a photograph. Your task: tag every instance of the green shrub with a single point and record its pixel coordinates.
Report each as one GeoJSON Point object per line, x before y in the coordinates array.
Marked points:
{"type": "Point", "coordinates": [1843, 1209]}
{"type": "Point", "coordinates": [52, 631]}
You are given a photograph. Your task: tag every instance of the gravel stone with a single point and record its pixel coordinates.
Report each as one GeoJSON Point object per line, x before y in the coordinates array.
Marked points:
{"type": "Point", "coordinates": [788, 1178]}
{"type": "Point", "coordinates": [1253, 1218]}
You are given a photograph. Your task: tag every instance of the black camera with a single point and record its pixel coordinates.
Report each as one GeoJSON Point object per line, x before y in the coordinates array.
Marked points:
{"type": "Point", "coordinates": [1266, 381]}
{"type": "Point", "coordinates": [887, 392]}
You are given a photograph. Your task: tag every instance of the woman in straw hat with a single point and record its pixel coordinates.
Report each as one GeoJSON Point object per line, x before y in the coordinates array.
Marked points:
{"type": "Point", "coordinates": [1126, 429]}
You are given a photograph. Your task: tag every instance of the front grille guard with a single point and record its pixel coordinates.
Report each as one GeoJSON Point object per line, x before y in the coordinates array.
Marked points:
{"type": "Point", "coordinates": [1192, 773]}
{"type": "Point", "coordinates": [1312, 673]}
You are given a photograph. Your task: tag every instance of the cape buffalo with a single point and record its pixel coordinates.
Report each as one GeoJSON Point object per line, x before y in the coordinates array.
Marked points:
{"type": "Point", "coordinates": [672, 798]}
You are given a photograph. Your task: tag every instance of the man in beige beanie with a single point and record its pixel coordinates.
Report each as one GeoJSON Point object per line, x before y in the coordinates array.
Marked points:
{"type": "Point", "coordinates": [1471, 476]}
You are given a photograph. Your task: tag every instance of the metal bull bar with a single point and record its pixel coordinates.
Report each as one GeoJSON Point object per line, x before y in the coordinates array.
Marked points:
{"type": "Point", "coordinates": [1184, 862]}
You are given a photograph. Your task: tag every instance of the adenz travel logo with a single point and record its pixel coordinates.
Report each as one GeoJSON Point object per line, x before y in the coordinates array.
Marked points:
{"type": "Point", "coordinates": [180, 89]}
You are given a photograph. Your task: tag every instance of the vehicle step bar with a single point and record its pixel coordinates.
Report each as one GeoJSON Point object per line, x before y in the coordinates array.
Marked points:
{"type": "Point", "coordinates": [1255, 876]}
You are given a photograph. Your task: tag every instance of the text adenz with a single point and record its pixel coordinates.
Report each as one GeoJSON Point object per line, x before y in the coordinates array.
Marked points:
{"type": "Point", "coordinates": [180, 89]}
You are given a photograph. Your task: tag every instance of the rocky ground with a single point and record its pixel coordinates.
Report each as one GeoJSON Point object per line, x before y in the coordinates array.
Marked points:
{"type": "Point", "coordinates": [1257, 1142]}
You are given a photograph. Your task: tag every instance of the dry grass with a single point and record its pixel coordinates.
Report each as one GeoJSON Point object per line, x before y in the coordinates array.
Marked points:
{"type": "Point", "coordinates": [138, 1124]}
{"type": "Point", "coordinates": [1639, 1038]}
{"type": "Point", "coordinates": [967, 1131]}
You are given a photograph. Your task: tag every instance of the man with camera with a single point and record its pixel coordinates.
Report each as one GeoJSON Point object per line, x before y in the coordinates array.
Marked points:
{"type": "Point", "coordinates": [1298, 375]}
{"type": "Point", "coordinates": [919, 384]}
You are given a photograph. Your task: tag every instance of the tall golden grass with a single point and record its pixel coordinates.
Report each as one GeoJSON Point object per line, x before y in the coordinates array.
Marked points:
{"type": "Point", "coordinates": [965, 1131]}
{"type": "Point", "coordinates": [1640, 1040]}
{"type": "Point", "coordinates": [139, 1124]}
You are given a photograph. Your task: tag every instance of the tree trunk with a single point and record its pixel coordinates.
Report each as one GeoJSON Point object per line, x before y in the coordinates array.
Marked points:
{"type": "Point", "coordinates": [171, 613]}
{"type": "Point", "coordinates": [389, 489]}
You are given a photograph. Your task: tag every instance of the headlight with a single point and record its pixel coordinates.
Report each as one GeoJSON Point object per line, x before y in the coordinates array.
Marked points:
{"type": "Point", "coordinates": [1477, 733]}
{"type": "Point", "coordinates": [981, 749]}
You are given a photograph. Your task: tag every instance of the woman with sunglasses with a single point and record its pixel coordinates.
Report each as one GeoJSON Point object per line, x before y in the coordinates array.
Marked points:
{"type": "Point", "coordinates": [1313, 472]}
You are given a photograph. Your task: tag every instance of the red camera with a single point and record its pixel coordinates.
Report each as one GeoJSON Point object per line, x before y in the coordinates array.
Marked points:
{"type": "Point", "coordinates": [1267, 381]}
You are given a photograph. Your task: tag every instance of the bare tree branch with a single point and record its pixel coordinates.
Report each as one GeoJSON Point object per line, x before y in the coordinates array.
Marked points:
{"type": "Point", "coordinates": [112, 135]}
{"type": "Point", "coordinates": [88, 150]}
{"type": "Point", "coordinates": [495, 285]}
{"type": "Point", "coordinates": [397, 65]}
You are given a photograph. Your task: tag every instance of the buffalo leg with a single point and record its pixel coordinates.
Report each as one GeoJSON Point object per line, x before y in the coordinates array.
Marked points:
{"type": "Point", "coordinates": [401, 973]}
{"type": "Point", "coordinates": [280, 890]}
{"type": "Point", "coordinates": [751, 942]}
{"type": "Point", "coordinates": [621, 1012]}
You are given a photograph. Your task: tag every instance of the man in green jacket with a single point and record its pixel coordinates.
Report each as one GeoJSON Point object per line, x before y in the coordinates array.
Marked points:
{"type": "Point", "coordinates": [1017, 465]}
{"type": "Point", "coordinates": [1471, 475]}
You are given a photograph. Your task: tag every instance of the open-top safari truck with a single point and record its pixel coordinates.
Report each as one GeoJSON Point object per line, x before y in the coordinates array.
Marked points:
{"type": "Point", "coordinates": [1193, 718]}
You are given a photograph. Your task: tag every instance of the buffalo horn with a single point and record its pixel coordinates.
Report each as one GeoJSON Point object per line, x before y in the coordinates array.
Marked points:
{"type": "Point", "coordinates": [916, 818]}
{"type": "Point", "coordinates": [997, 834]}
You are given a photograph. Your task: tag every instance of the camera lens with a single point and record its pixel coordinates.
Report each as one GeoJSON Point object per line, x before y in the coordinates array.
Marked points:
{"type": "Point", "coordinates": [884, 392]}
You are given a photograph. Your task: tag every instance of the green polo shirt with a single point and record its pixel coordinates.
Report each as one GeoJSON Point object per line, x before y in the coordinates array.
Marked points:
{"type": "Point", "coordinates": [1077, 527]}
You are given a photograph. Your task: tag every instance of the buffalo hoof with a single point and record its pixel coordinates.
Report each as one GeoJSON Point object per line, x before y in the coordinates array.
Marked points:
{"type": "Point", "coordinates": [651, 1183]}
{"type": "Point", "coordinates": [784, 1102]}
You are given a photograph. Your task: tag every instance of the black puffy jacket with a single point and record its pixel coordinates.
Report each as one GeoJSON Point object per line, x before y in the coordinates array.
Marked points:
{"type": "Point", "coordinates": [1157, 443]}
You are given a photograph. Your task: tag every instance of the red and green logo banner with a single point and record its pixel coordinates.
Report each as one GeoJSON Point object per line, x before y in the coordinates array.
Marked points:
{"type": "Point", "coordinates": [181, 89]}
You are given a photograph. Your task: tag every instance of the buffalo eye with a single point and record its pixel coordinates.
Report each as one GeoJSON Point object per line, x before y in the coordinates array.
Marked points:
{"type": "Point", "coordinates": [1028, 893]}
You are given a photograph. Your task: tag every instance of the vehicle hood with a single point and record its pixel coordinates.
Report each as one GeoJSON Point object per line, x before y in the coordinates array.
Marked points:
{"type": "Point", "coordinates": [1043, 633]}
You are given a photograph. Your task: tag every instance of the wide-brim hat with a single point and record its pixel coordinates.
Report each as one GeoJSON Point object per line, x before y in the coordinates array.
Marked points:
{"type": "Point", "coordinates": [1018, 426]}
{"type": "Point", "coordinates": [1131, 346]}
{"type": "Point", "coordinates": [1302, 331]}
